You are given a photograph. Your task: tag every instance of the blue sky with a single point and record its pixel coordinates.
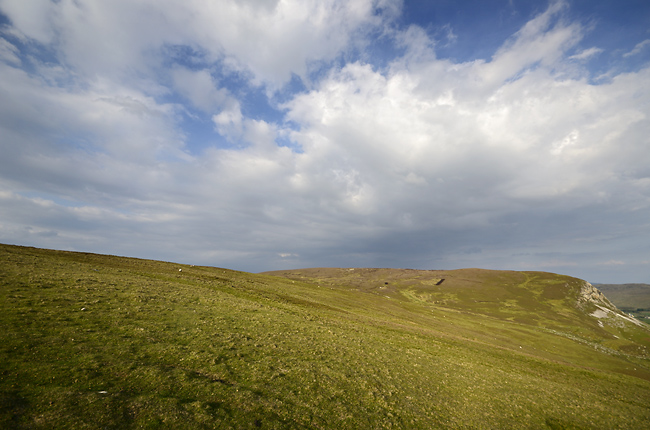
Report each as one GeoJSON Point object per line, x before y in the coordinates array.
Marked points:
{"type": "Point", "coordinates": [266, 134]}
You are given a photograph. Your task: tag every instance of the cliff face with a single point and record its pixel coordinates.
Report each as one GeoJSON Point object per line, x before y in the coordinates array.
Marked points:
{"type": "Point", "coordinates": [591, 294]}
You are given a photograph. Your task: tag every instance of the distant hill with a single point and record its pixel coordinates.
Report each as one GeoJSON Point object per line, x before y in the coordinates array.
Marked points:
{"type": "Point", "coordinates": [628, 296]}
{"type": "Point", "coordinates": [97, 341]}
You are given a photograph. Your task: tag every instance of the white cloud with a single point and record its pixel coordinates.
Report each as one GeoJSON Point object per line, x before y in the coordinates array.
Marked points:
{"type": "Point", "coordinates": [586, 54]}
{"type": "Point", "coordinates": [503, 146]}
{"type": "Point", "coordinates": [637, 48]}
{"type": "Point", "coordinates": [200, 89]}
{"type": "Point", "coordinates": [8, 52]}
{"type": "Point", "coordinates": [229, 122]}
{"type": "Point", "coordinates": [543, 40]}
{"type": "Point", "coordinates": [32, 19]}
{"type": "Point", "coordinates": [270, 39]}
{"type": "Point", "coordinates": [111, 140]}
{"type": "Point", "coordinates": [614, 263]}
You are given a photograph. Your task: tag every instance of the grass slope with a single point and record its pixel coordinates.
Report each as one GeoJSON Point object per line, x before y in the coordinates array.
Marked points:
{"type": "Point", "coordinates": [94, 341]}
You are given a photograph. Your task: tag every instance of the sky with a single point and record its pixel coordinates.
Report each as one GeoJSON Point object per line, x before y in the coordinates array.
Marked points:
{"type": "Point", "coordinates": [275, 134]}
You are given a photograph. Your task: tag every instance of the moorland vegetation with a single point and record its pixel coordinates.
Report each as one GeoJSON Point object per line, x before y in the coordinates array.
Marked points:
{"type": "Point", "coordinates": [97, 341]}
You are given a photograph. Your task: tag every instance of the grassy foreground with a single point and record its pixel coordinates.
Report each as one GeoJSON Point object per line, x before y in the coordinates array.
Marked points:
{"type": "Point", "coordinates": [94, 341]}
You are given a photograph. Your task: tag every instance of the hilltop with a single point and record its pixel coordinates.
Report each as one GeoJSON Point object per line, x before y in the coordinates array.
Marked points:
{"type": "Point", "coordinates": [102, 341]}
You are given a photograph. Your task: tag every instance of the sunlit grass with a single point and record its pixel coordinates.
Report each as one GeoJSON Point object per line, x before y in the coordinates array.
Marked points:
{"type": "Point", "coordinates": [93, 341]}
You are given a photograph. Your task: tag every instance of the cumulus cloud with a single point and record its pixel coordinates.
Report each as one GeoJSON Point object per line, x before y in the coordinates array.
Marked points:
{"type": "Point", "coordinates": [200, 89]}
{"type": "Point", "coordinates": [269, 39]}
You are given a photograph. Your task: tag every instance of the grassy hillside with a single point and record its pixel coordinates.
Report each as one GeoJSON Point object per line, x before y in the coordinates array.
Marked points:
{"type": "Point", "coordinates": [93, 341]}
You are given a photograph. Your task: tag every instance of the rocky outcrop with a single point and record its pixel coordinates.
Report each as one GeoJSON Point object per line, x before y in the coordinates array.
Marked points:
{"type": "Point", "coordinates": [591, 294]}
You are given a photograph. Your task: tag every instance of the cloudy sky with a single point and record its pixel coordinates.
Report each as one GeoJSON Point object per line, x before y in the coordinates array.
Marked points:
{"type": "Point", "coordinates": [272, 134]}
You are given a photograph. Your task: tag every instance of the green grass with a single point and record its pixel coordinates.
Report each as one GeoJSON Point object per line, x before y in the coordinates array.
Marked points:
{"type": "Point", "coordinates": [93, 341]}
